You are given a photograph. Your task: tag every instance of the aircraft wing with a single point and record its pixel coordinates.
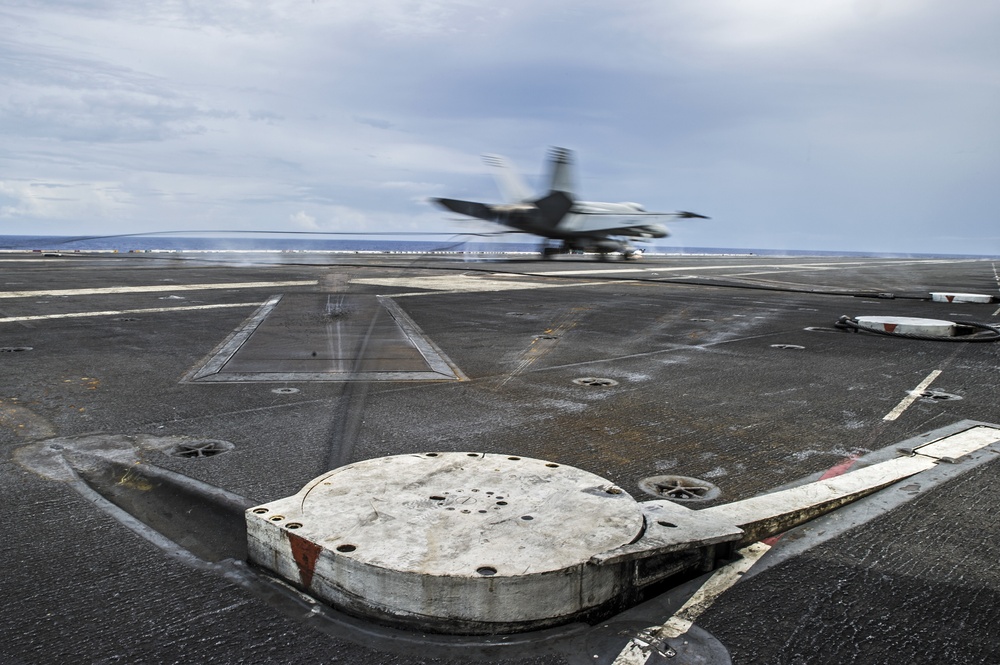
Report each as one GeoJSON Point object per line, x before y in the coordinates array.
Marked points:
{"type": "Point", "coordinates": [468, 208]}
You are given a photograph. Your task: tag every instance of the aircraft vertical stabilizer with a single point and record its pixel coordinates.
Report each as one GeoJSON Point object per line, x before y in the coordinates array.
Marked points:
{"type": "Point", "coordinates": [561, 171]}
{"type": "Point", "coordinates": [512, 187]}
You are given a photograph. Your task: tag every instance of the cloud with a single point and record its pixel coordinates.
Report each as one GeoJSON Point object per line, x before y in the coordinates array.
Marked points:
{"type": "Point", "coordinates": [303, 221]}
{"type": "Point", "coordinates": [62, 200]}
{"type": "Point", "coordinates": [841, 124]}
{"type": "Point", "coordinates": [377, 123]}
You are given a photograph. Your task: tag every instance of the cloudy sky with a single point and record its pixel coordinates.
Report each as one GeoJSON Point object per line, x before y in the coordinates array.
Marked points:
{"type": "Point", "coordinates": [862, 125]}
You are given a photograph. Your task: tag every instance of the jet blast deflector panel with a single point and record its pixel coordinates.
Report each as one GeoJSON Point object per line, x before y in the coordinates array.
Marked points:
{"type": "Point", "coordinates": [327, 337]}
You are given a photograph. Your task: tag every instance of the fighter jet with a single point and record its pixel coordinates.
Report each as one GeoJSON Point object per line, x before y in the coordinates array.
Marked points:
{"type": "Point", "coordinates": [575, 226]}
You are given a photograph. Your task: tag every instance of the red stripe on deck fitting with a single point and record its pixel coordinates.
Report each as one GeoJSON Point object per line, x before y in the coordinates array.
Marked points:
{"type": "Point", "coordinates": [839, 469]}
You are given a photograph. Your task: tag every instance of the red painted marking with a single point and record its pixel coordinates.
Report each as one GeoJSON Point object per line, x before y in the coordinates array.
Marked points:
{"type": "Point", "coordinates": [305, 554]}
{"type": "Point", "coordinates": [890, 327]}
{"type": "Point", "coordinates": [839, 469]}
{"type": "Point", "coordinates": [950, 298]}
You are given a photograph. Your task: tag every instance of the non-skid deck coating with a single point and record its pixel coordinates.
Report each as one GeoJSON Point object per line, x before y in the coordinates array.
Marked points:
{"type": "Point", "coordinates": [727, 369]}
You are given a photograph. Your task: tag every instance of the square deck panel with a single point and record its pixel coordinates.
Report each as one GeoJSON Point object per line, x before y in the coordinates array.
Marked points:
{"type": "Point", "coordinates": [327, 337]}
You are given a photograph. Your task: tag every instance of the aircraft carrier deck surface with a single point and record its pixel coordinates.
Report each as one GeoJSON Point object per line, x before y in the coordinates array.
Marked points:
{"type": "Point", "coordinates": [252, 375]}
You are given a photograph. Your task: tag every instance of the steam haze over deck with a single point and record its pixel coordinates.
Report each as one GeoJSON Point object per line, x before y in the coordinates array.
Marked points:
{"type": "Point", "coordinates": [839, 126]}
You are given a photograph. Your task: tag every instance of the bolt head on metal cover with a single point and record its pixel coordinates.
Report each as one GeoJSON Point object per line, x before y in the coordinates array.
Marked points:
{"type": "Point", "coordinates": [451, 542]}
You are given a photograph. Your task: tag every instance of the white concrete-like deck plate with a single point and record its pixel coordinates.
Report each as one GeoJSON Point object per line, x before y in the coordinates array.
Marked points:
{"type": "Point", "coordinates": [961, 297]}
{"type": "Point", "coordinates": [452, 542]}
{"type": "Point", "coordinates": [461, 514]}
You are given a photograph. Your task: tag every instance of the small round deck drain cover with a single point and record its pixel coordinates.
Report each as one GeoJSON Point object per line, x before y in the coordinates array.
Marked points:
{"type": "Point", "coordinates": [595, 382]}
{"type": "Point", "coordinates": [201, 448]}
{"type": "Point", "coordinates": [679, 488]}
{"type": "Point", "coordinates": [285, 391]}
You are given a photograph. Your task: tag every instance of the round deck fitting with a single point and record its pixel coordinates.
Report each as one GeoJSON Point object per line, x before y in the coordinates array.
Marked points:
{"type": "Point", "coordinates": [905, 325]}
{"type": "Point", "coordinates": [452, 542]}
{"type": "Point", "coordinates": [961, 297]}
{"type": "Point", "coordinates": [679, 488]}
{"type": "Point", "coordinates": [595, 382]}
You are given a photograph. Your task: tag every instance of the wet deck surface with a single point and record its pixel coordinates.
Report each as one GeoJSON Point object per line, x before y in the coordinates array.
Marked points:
{"type": "Point", "coordinates": [725, 369]}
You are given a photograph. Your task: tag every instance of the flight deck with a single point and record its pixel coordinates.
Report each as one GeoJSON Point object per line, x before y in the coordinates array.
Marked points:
{"type": "Point", "coordinates": [148, 400]}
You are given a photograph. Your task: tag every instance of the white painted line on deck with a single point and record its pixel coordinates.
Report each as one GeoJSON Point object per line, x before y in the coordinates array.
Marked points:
{"type": "Point", "coordinates": [158, 288]}
{"type": "Point", "coordinates": [48, 260]}
{"type": "Point", "coordinates": [592, 271]}
{"type": "Point", "coordinates": [638, 650]}
{"type": "Point", "coordinates": [912, 397]}
{"type": "Point", "coordinates": [444, 284]}
{"type": "Point", "coordinates": [779, 267]}
{"type": "Point", "coordinates": [121, 312]}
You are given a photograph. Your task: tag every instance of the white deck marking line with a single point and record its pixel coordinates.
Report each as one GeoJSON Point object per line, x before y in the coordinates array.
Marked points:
{"type": "Point", "coordinates": [781, 267]}
{"type": "Point", "coordinates": [547, 286]}
{"type": "Point", "coordinates": [446, 284]}
{"type": "Point", "coordinates": [912, 397]}
{"type": "Point", "coordinates": [120, 312]}
{"type": "Point", "coordinates": [159, 288]}
{"type": "Point", "coordinates": [638, 650]}
{"type": "Point", "coordinates": [589, 271]}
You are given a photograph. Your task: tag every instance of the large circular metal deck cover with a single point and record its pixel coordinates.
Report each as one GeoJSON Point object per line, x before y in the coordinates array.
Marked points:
{"type": "Point", "coordinates": [478, 539]}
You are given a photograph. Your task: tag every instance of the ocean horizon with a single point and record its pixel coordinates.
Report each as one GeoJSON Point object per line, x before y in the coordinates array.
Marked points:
{"type": "Point", "coordinates": [273, 243]}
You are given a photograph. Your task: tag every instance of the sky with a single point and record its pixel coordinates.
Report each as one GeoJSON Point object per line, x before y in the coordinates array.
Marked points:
{"type": "Point", "coordinates": [839, 125]}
